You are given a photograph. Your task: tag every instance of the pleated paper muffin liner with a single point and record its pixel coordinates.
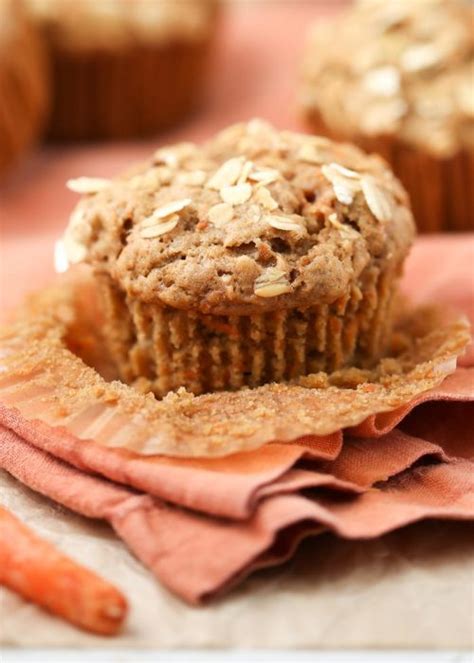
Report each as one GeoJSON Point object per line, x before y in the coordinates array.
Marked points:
{"type": "Point", "coordinates": [161, 349]}
{"type": "Point", "coordinates": [44, 375]}
{"type": "Point", "coordinates": [440, 190]}
{"type": "Point", "coordinates": [24, 85]}
{"type": "Point", "coordinates": [131, 91]}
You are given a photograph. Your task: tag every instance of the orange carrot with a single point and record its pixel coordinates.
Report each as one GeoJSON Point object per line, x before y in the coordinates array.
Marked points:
{"type": "Point", "coordinates": [35, 569]}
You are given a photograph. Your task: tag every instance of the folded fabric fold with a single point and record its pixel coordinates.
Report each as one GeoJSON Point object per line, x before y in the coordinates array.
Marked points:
{"type": "Point", "coordinates": [456, 387]}
{"type": "Point", "coordinates": [201, 525]}
{"type": "Point", "coordinates": [228, 486]}
{"type": "Point", "coordinates": [198, 556]}
{"type": "Point", "coordinates": [224, 487]}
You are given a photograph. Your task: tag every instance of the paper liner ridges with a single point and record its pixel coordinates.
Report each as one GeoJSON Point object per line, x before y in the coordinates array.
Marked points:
{"type": "Point", "coordinates": [45, 380]}
{"type": "Point", "coordinates": [164, 348]}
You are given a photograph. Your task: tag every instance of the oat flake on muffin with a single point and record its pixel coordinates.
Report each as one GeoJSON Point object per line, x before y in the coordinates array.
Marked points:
{"type": "Point", "coordinates": [259, 256]}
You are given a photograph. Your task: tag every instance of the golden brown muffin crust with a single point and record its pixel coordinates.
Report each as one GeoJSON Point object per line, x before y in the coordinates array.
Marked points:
{"type": "Point", "coordinates": [254, 220]}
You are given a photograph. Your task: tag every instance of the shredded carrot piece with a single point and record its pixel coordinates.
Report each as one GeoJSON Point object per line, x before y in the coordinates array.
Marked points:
{"type": "Point", "coordinates": [34, 568]}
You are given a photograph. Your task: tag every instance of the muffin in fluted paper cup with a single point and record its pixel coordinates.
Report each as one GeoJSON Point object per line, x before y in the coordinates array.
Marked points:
{"type": "Point", "coordinates": [396, 78]}
{"type": "Point", "coordinates": [124, 68]}
{"type": "Point", "coordinates": [259, 256]}
{"type": "Point", "coordinates": [24, 83]}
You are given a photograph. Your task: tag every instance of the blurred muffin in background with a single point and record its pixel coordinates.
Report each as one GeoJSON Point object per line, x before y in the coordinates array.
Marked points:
{"type": "Point", "coordinates": [397, 77]}
{"type": "Point", "coordinates": [124, 68]}
{"type": "Point", "coordinates": [24, 90]}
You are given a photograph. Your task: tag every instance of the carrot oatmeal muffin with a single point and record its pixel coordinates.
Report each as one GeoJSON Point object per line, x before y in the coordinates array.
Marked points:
{"type": "Point", "coordinates": [257, 257]}
{"type": "Point", "coordinates": [398, 78]}
{"type": "Point", "coordinates": [124, 68]}
{"type": "Point", "coordinates": [24, 91]}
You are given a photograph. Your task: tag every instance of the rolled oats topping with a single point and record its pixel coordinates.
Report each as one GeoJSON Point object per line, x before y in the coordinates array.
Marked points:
{"type": "Point", "coordinates": [264, 177]}
{"type": "Point", "coordinates": [383, 81]}
{"type": "Point", "coordinates": [395, 54]}
{"type": "Point", "coordinates": [245, 173]}
{"type": "Point", "coordinates": [344, 229]}
{"type": "Point", "coordinates": [88, 184]}
{"type": "Point", "coordinates": [420, 57]}
{"type": "Point", "coordinates": [236, 194]}
{"type": "Point", "coordinates": [345, 182]}
{"type": "Point", "coordinates": [379, 202]}
{"type": "Point", "coordinates": [282, 223]}
{"type": "Point", "coordinates": [271, 283]}
{"type": "Point", "coordinates": [158, 229]}
{"type": "Point", "coordinates": [221, 214]}
{"type": "Point", "coordinates": [171, 208]}
{"type": "Point", "coordinates": [262, 227]}
{"type": "Point", "coordinates": [310, 154]}
{"type": "Point", "coordinates": [193, 178]}
{"type": "Point", "coordinates": [264, 197]}
{"type": "Point", "coordinates": [227, 174]}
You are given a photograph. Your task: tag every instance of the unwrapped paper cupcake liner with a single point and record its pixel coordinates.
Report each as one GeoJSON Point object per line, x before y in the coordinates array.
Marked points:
{"type": "Point", "coordinates": [53, 352]}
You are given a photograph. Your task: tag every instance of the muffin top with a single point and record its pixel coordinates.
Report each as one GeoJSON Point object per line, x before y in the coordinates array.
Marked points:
{"type": "Point", "coordinates": [396, 67]}
{"type": "Point", "coordinates": [253, 220]}
{"type": "Point", "coordinates": [108, 24]}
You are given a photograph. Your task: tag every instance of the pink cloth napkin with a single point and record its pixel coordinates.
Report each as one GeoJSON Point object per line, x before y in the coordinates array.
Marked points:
{"type": "Point", "coordinates": [198, 556]}
{"type": "Point", "coordinates": [201, 525]}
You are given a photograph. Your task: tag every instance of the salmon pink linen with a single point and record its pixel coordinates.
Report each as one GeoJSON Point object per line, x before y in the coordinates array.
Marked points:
{"type": "Point", "coordinates": [201, 526]}
{"type": "Point", "coordinates": [229, 486]}
{"type": "Point", "coordinates": [456, 387]}
{"type": "Point", "coordinates": [450, 425]}
{"type": "Point", "coordinates": [179, 546]}
{"type": "Point", "coordinates": [225, 487]}
{"type": "Point", "coordinates": [174, 514]}
{"type": "Point", "coordinates": [441, 269]}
